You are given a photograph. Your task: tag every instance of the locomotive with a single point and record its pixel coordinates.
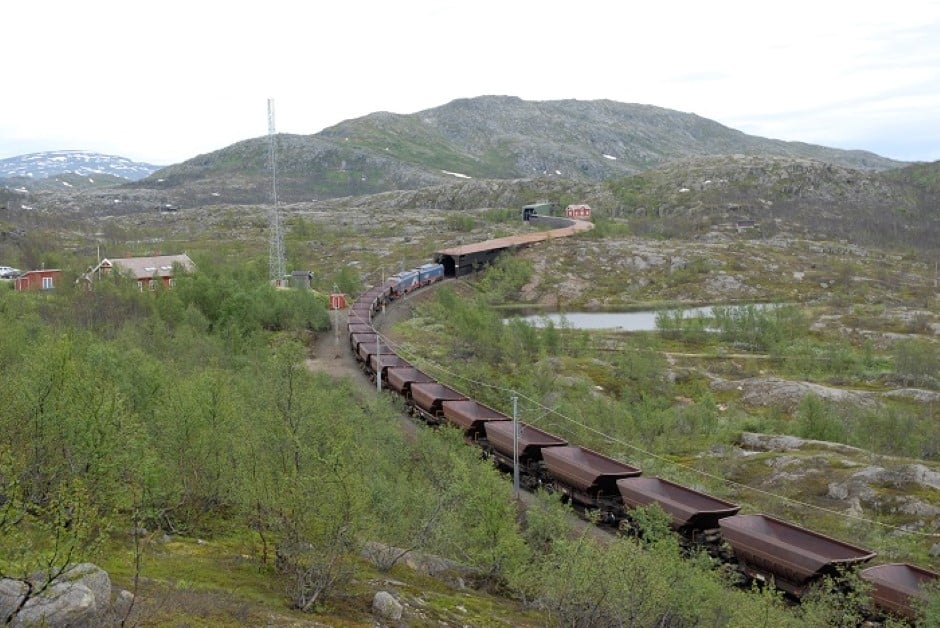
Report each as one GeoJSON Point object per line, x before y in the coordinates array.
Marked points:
{"type": "Point", "coordinates": [762, 547]}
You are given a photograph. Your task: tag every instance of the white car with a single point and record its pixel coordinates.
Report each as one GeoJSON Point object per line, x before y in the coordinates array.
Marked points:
{"type": "Point", "coordinates": [8, 272]}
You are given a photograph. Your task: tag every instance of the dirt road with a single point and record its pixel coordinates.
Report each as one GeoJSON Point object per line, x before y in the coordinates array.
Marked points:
{"type": "Point", "coordinates": [335, 358]}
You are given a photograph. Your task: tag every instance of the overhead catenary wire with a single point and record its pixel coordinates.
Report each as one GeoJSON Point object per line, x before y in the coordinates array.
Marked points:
{"type": "Point", "coordinates": [426, 363]}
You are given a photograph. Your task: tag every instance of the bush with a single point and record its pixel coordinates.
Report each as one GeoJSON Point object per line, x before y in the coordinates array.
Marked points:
{"type": "Point", "coordinates": [817, 421]}
{"type": "Point", "coordinates": [762, 328]}
{"type": "Point", "coordinates": [459, 222]}
{"type": "Point", "coordinates": [917, 362]}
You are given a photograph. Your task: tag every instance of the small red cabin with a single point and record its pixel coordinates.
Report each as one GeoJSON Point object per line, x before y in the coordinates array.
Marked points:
{"type": "Point", "coordinates": [45, 279]}
{"type": "Point", "coordinates": [578, 211]}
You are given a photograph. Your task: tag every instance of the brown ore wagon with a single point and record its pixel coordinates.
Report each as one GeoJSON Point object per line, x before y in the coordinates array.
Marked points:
{"type": "Point", "coordinates": [401, 379]}
{"type": "Point", "coordinates": [531, 442]}
{"type": "Point", "coordinates": [689, 510]}
{"type": "Point", "coordinates": [360, 328]}
{"type": "Point", "coordinates": [368, 348]}
{"type": "Point", "coordinates": [360, 313]}
{"type": "Point", "coordinates": [379, 365]}
{"type": "Point", "coordinates": [588, 478]}
{"type": "Point", "coordinates": [428, 397]}
{"type": "Point", "coordinates": [898, 588]}
{"type": "Point", "coordinates": [793, 556]}
{"type": "Point", "coordinates": [471, 416]}
{"type": "Point", "coordinates": [356, 339]}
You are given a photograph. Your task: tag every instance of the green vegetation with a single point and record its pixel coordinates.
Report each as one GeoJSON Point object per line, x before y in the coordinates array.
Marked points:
{"type": "Point", "coordinates": [459, 222]}
{"type": "Point", "coordinates": [618, 394]}
{"type": "Point", "coordinates": [189, 413]}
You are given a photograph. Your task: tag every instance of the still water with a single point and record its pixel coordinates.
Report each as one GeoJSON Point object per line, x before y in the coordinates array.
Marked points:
{"type": "Point", "coordinates": [617, 321]}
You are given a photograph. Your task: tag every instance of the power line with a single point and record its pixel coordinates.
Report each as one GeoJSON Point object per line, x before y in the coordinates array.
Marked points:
{"type": "Point", "coordinates": [421, 362]}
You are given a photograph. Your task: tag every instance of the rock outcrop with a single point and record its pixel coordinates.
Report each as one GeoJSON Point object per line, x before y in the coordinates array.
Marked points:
{"type": "Point", "coordinates": [385, 606]}
{"type": "Point", "coordinates": [80, 597]}
{"type": "Point", "coordinates": [787, 394]}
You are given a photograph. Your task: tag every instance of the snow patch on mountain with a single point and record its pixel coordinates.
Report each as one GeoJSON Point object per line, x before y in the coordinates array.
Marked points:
{"type": "Point", "coordinates": [84, 163]}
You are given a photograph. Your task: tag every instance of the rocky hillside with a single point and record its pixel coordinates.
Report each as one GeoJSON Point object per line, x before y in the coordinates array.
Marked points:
{"type": "Point", "coordinates": [705, 197]}
{"type": "Point", "coordinates": [493, 137]}
{"type": "Point", "coordinates": [764, 196]}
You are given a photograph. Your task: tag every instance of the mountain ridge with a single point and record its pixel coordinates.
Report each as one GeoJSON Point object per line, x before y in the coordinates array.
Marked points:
{"type": "Point", "coordinates": [32, 169]}
{"type": "Point", "coordinates": [498, 137]}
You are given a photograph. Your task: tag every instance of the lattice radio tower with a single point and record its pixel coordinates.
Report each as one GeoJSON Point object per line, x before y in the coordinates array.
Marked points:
{"type": "Point", "coordinates": [276, 246]}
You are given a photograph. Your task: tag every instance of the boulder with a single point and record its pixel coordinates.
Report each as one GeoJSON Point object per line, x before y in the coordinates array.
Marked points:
{"type": "Point", "coordinates": [385, 605]}
{"type": "Point", "coordinates": [79, 597]}
{"type": "Point", "coordinates": [783, 442]}
{"type": "Point", "coordinates": [93, 577]}
{"type": "Point", "coordinates": [11, 596]}
{"type": "Point", "coordinates": [121, 605]}
{"type": "Point", "coordinates": [914, 394]}
{"type": "Point", "coordinates": [61, 604]}
{"type": "Point", "coordinates": [787, 394]}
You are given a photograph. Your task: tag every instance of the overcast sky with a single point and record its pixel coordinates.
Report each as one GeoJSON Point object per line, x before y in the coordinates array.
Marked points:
{"type": "Point", "coordinates": [165, 81]}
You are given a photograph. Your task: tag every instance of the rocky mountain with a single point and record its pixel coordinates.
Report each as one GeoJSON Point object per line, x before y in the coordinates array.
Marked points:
{"type": "Point", "coordinates": [671, 174]}
{"type": "Point", "coordinates": [710, 197]}
{"type": "Point", "coordinates": [489, 137]}
{"type": "Point", "coordinates": [70, 168]}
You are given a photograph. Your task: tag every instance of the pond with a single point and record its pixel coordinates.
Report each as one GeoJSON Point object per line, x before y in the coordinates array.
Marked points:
{"type": "Point", "coordinates": [643, 320]}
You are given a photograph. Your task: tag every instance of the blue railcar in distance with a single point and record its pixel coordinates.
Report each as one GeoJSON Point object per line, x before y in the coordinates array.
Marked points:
{"type": "Point", "coordinates": [429, 273]}
{"type": "Point", "coordinates": [403, 283]}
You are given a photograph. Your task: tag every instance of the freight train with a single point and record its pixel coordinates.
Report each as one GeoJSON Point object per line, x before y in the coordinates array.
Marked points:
{"type": "Point", "coordinates": [761, 547]}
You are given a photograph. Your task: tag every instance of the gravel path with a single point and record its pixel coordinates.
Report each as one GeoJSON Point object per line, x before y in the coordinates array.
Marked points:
{"type": "Point", "coordinates": [336, 359]}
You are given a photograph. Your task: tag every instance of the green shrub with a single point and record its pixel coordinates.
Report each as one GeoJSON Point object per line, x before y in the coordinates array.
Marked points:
{"type": "Point", "coordinates": [459, 222]}
{"type": "Point", "coordinates": [917, 362]}
{"type": "Point", "coordinates": [816, 420]}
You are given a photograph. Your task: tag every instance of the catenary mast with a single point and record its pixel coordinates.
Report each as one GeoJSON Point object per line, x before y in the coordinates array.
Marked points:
{"type": "Point", "coordinates": [276, 264]}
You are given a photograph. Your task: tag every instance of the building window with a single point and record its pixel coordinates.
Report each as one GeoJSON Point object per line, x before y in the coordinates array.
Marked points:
{"type": "Point", "coordinates": [47, 283]}
{"type": "Point", "coordinates": [140, 286]}
{"type": "Point", "coordinates": [172, 282]}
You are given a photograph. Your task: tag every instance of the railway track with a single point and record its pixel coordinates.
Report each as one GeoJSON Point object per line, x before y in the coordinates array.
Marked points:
{"type": "Point", "coordinates": [764, 548]}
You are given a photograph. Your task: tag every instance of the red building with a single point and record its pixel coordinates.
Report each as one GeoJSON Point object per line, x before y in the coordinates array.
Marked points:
{"type": "Point", "coordinates": [45, 279]}
{"type": "Point", "coordinates": [578, 211]}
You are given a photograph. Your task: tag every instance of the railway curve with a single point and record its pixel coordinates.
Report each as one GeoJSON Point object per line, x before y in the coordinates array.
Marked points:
{"type": "Point", "coordinates": [762, 547]}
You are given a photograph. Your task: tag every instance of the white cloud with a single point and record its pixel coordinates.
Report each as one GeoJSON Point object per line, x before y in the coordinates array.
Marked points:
{"type": "Point", "coordinates": [182, 78]}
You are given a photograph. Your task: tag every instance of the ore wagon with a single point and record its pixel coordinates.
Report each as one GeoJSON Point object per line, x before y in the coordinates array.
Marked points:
{"type": "Point", "coordinates": [355, 339]}
{"type": "Point", "coordinates": [379, 365]}
{"type": "Point", "coordinates": [531, 442]}
{"type": "Point", "coordinates": [369, 348]}
{"type": "Point", "coordinates": [588, 478]}
{"type": "Point", "coordinates": [401, 379]}
{"type": "Point", "coordinates": [898, 588]}
{"type": "Point", "coordinates": [470, 416]}
{"type": "Point", "coordinates": [355, 327]}
{"type": "Point", "coordinates": [694, 513]}
{"type": "Point", "coordinates": [360, 314]}
{"type": "Point", "coordinates": [427, 398]}
{"type": "Point", "coordinates": [374, 296]}
{"type": "Point", "coordinates": [793, 556]}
